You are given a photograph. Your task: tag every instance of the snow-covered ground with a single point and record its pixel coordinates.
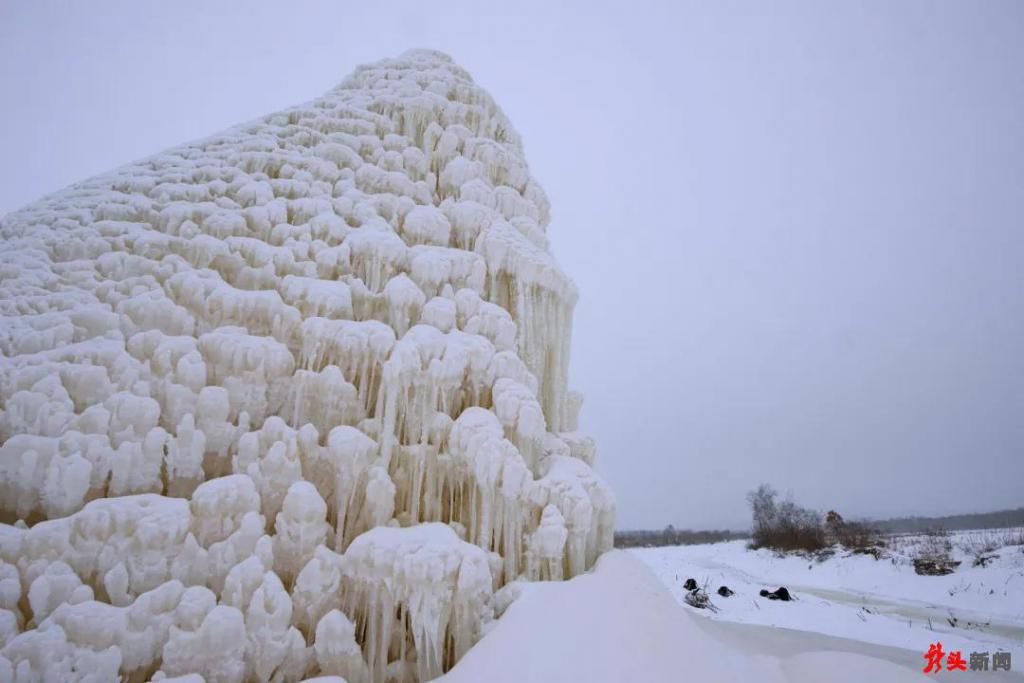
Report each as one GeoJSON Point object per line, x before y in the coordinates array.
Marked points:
{"type": "Point", "coordinates": [879, 602]}
{"type": "Point", "coordinates": [619, 623]}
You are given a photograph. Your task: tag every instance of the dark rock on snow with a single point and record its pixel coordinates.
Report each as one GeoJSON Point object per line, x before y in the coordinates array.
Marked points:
{"type": "Point", "coordinates": [780, 594]}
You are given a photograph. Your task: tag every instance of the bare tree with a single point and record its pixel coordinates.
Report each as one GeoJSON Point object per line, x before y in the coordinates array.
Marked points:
{"type": "Point", "coordinates": [762, 505]}
{"type": "Point", "coordinates": [785, 525]}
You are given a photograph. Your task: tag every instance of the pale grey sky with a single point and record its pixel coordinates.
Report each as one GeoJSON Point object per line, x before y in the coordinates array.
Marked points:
{"type": "Point", "coordinates": [797, 227]}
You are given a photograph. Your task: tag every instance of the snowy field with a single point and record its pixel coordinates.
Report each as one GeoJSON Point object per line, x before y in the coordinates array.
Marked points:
{"type": "Point", "coordinates": [618, 623]}
{"type": "Point", "coordinates": [881, 603]}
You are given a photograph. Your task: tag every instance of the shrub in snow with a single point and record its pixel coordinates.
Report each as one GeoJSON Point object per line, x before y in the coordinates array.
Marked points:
{"type": "Point", "coordinates": [783, 526]}
{"type": "Point", "coordinates": [855, 536]}
{"type": "Point", "coordinates": [933, 554]}
{"type": "Point", "coordinates": [290, 400]}
{"type": "Point", "coordinates": [699, 598]}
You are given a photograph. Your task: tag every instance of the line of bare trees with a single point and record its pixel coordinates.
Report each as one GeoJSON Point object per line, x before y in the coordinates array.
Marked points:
{"type": "Point", "coordinates": [784, 525]}
{"type": "Point", "coordinates": [672, 536]}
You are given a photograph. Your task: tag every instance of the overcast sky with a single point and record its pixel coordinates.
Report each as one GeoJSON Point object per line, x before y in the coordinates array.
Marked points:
{"type": "Point", "coordinates": [797, 228]}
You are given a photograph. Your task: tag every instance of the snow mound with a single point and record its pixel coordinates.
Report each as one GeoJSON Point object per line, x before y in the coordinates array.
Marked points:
{"type": "Point", "coordinates": [290, 401]}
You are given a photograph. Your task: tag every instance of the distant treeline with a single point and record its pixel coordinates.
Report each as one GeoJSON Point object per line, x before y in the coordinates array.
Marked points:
{"type": "Point", "coordinates": [672, 536]}
{"type": "Point", "coordinates": [1000, 519]}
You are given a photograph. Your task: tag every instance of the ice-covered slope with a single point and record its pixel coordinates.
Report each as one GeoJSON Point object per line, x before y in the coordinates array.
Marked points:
{"type": "Point", "coordinates": [291, 400]}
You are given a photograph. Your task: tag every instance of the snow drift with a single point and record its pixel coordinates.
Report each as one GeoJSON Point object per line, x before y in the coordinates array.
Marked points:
{"type": "Point", "coordinates": [290, 401]}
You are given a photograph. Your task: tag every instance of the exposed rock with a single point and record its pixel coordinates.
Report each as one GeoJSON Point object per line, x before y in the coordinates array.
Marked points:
{"type": "Point", "coordinates": [781, 594]}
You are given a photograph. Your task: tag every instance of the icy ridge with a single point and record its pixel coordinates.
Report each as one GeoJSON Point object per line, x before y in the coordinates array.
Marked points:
{"type": "Point", "coordinates": [290, 401]}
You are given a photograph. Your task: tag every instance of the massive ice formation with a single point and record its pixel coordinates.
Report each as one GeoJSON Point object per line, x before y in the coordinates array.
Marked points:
{"type": "Point", "coordinates": [289, 401]}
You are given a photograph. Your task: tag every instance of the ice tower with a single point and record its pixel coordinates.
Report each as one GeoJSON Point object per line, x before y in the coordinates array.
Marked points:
{"type": "Point", "coordinates": [291, 400]}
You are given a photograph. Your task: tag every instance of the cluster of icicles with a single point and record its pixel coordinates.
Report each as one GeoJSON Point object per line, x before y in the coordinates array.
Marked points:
{"type": "Point", "coordinates": [290, 401]}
